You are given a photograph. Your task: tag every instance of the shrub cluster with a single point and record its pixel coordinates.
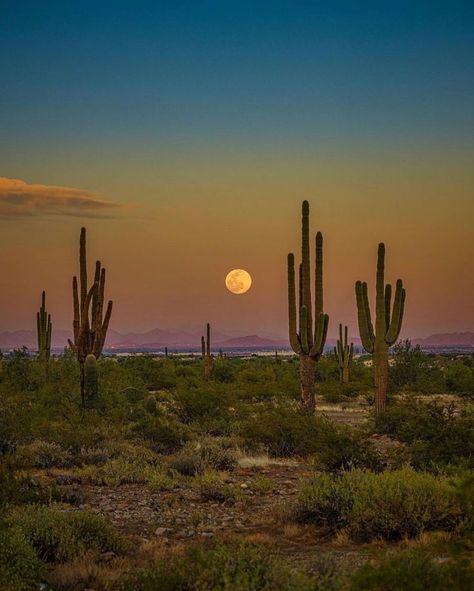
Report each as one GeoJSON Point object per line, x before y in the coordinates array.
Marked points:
{"type": "Point", "coordinates": [390, 505]}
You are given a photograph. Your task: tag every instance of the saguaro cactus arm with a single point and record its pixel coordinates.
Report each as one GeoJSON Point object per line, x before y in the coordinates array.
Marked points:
{"type": "Point", "coordinates": [292, 322]}
{"type": "Point", "coordinates": [307, 342]}
{"type": "Point", "coordinates": [366, 328]}
{"type": "Point", "coordinates": [395, 325]}
{"type": "Point", "coordinates": [89, 325]}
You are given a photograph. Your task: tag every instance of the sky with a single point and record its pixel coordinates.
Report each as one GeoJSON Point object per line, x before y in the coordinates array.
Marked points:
{"type": "Point", "coordinates": [184, 136]}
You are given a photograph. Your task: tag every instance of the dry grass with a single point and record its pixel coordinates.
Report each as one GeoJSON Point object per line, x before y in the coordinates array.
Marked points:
{"type": "Point", "coordinates": [263, 460]}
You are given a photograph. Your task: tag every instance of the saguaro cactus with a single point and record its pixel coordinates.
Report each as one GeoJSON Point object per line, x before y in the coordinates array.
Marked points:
{"type": "Point", "coordinates": [388, 323]}
{"type": "Point", "coordinates": [206, 352]}
{"type": "Point", "coordinates": [89, 325]}
{"type": "Point", "coordinates": [91, 384]}
{"type": "Point", "coordinates": [44, 330]}
{"type": "Point", "coordinates": [344, 354]}
{"type": "Point", "coordinates": [307, 344]}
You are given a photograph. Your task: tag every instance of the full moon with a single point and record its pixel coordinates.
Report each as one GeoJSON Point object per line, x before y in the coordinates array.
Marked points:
{"type": "Point", "coordinates": [238, 281]}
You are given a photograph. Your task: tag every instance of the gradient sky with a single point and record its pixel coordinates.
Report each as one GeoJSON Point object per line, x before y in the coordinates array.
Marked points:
{"type": "Point", "coordinates": [185, 135]}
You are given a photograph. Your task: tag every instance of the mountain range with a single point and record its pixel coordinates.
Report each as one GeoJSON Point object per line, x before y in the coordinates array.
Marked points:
{"type": "Point", "coordinates": [159, 339]}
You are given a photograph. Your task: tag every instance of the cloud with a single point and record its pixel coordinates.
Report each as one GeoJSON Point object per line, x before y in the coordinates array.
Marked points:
{"type": "Point", "coordinates": [20, 199]}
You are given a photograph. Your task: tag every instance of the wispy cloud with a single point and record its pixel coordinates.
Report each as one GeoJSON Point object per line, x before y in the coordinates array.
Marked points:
{"type": "Point", "coordinates": [20, 199]}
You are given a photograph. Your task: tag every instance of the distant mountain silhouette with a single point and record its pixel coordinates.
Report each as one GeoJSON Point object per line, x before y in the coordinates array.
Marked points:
{"type": "Point", "coordinates": [447, 339]}
{"type": "Point", "coordinates": [157, 338]}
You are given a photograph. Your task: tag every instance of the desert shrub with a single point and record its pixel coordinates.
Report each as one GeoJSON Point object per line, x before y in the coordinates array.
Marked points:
{"type": "Point", "coordinates": [410, 364]}
{"type": "Point", "coordinates": [414, 570]}
{"type": "Point", "coordinates": [20, 490]}
{"type": "Point", "coordinates": [126, 464]}
{"type": "Point", "coordinates": [202, 403]}
{"type": "Point", "coordinates": [164, 435]}
{"type": "Point", "coordinates": [212, 488]}
{"type": "Point", "coordinates": [43, 454]}
{"type": "Point", "coordinates": [216, 453]}
{"type": "Point", "coordinates": [20, 567]}
{"type": "Point", "coordinates": [187, 463]}
{"type": "Point", "coordinates": [59, 536]}
{"type": "Point", "coordinates": [390, 505]}
{"type": "Point", "coordinates": [224, 567]}
{"type": "Point", "coordinates": [460, 379]}
{"type": "Point", "coordinates": [223, 371]}
{"type": "Point", "coordinates": [20, 372]}
{"type": "Point", "coordinates": [153, 373]}
{"type": "Point", "coordinates": [435, 434]}
{"type": "Point", "coordinates": [262, 484]}
{"type": "Point", "coordinates": [283, 432]}
{"type": "Point", "coordinates": [340, 447]}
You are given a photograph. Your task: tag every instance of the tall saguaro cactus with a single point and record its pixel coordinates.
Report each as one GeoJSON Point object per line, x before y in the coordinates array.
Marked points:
{"type": "Point", "coordinates": [44, 330]}
{"type": "Point", "coordinates": [90, 324]}
{"type": "Point", "coordinates": [344, 354]}
{"type": "Point", "coordinates": [206, 352]}
{"type": "Point", "coordinates": [388, 323]}
{"type": "Point", "coordinates": [306, 342]}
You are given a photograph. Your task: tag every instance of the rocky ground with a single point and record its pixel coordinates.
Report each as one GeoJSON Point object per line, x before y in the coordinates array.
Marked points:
{"type": "Point", "coordinates": [181, 516]}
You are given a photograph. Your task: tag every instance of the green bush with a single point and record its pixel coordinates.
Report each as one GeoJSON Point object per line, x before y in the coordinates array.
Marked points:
{"type": "Point", "coordinates": [284, 433]}
{"type": "Point", "coordinates": [281, 431]}
{"type": "Point", "coordinates": [20, 567]}
{"type": "Point", "coordinates": [164, 435]}
{"type": "Point", "coordinates": [390, 505]}
{"type": "Point", "coordinates": [436, 435]}
{"type": "Point", "coordinates": [43, 454]}
{"type": "Point", "coordinates": [59, 536]}
{"type": "Point", "coordinates": [460, 379]}
{"type": "Point", "coordinates": [414, 570]}
{"type": "Point", "coordinates": [200, 404]}
{"type": "Point", "coordinates": [20, 490]}
{"type": "Point", "coordinates": [340, 447]}
{"type": "Point", "coordinates": [224, 567]}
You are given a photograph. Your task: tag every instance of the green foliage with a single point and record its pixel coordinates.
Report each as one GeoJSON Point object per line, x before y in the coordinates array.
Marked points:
{"type": "Point", "coordinates": [223, 371]}
{"type": "Point", "coordinates": [224, 567]}
{"type": "Point", "coordinates": [91, 382]}
{"type": "Point", "coordinates": [203, 403]}
{"type": "Point", "coordinates": [20, 567]}
{"type": "Point", "coordinates": [436, 435]}
{"type": "Point", "coordinates": [390, 505]}
{"type": "Point", "coordinates": [21, 490]}
{"type": "Point", "coordinates": [213, 488]}
{"type": "Point", "coordinates": [460, 379]}
{"type": "Point", "coordinates": [57, 535]}
{"type": "Point", "coordinates": [197, 456]}
{"type": "Point", "coordinates": [284, 433]}
{"type": "Point", "coordinates": [43, 454]}
{"type": "Point", "coordinates": [165, 435]}
{"type": "Point", "coordinates": [414, 570]}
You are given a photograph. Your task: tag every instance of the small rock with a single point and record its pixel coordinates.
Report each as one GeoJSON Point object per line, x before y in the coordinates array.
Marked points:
{"type": "Point", "coordinates": [107, 556]}
{"type": "Point", "coordinates": [161, 531]}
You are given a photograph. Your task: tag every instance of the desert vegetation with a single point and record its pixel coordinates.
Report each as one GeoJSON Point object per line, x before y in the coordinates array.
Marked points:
{"type": "Point", "coordinates": [314, 471]}
{"type": "Point", "coordinates": [174, 480]}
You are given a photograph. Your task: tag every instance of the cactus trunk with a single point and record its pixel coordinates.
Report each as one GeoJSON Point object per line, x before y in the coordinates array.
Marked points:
{"type": "Point", "coordinates": [207, 358]}
{"type": "Point", "coordinates": [307, 382]}
{"type": "Point", "coordinates": [90, 381]}
{"type": "Point", "coordinates": [380, 361]}
{"type": "Point", "coordinates": [307, 340]}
